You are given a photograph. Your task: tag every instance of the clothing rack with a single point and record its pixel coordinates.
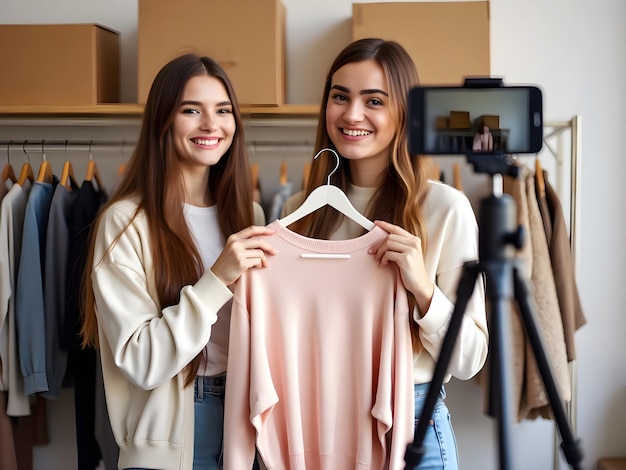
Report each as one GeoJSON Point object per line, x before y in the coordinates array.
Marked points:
{"type": "Point", "coordinates": [557, 131]}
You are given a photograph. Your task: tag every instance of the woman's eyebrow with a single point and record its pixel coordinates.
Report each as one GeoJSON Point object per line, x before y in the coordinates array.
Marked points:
{"type": "Point", "coordinates": [370, 91]}
{"type": "Point", "coordinates": [198, 103]}
{"type": "Point", "coordinates": [373, 91]}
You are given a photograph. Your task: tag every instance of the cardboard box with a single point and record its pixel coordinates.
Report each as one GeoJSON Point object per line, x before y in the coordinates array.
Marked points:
{"type": "Point", "coordinates": [492, 121]}
{"type": "Point", "coordinates": [448, 41]}
{"type": "Point", "coordinates": [246, 37]}
{"type": "Point", "coordinates": [442, 122]}
{"type": "Point", "coordinates": [59, 64]}
{"type": "Point", "coordinates": [459, 120]}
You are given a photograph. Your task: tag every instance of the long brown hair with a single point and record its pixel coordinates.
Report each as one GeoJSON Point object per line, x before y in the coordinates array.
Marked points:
{"type": "Point", "coordinates": [154, 177]}
{"type": "Point", "coordinates": [398, 198]}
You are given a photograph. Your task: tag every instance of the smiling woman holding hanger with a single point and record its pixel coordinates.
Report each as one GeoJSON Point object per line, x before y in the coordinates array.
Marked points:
{"type": "Point", "coordinates": [176, 234]}
{"type": "Point", "coordinates": [432, 229]}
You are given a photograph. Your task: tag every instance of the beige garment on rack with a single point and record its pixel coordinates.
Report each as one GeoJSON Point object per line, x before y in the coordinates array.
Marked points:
{"type": "Point", "coordinates": [549, 319]}
{"type": "Point", "coordinates": [563, 267]}
{"type": "Point", "coordinates": [528, 394]}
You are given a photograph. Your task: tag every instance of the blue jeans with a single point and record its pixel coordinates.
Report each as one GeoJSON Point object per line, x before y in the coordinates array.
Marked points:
{"type": "Point", "coordinates": [208, 399]}
{"type": "Point", "coordinates": [439, 441]}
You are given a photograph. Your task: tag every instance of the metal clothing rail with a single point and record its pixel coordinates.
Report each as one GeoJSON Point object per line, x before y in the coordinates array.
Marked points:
{"type": "Point", "coordinates": [43, 145]}
{"type": "Point", "coordinates": [556, 129]}
{"type": "Point", "coordinates": [574, 126]}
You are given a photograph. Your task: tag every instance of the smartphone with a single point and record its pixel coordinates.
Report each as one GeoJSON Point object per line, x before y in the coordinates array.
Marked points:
{"type": "Point", "coordinates": [481, 117]}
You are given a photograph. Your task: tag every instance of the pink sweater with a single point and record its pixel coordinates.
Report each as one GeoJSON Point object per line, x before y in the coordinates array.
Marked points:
{"type": "Point", "coordinates": [320, 361]}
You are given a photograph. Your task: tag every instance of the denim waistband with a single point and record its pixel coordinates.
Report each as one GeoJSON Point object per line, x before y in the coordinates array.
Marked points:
{"type": "Point", "coordinates": [210, 384]}
{"type": "Point", "coordinates": [420, 390]}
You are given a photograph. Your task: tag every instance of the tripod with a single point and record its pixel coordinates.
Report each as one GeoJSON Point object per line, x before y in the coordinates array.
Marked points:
{"type": "Point", "coordinates": [498, 239]}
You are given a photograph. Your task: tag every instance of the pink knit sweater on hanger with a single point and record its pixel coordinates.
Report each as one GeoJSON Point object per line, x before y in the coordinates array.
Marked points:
{"type": "Point", "coordinates": [320, 362]}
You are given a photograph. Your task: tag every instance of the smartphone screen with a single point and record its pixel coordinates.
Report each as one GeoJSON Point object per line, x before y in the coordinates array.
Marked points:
{"type": "Point", "coordinates": [468, 120]}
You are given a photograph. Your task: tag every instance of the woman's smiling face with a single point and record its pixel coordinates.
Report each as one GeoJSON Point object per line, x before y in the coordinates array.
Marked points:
{"type": "Point", "coordinates": [358, 114]}
{"type": "Point", "coordinates": [204, 125]}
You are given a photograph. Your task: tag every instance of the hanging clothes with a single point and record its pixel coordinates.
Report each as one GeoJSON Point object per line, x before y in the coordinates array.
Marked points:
{"type": "Point", "coordinates": [55, 299]}
{"type": "Point", "coordinates": [528, 394]}
{"type": "Point", "coordinates": [29, 303]}
{"type": "Point", "coordinates": [4, 189]}
{"type": "Point", "coordinates": [540, 190]}
{"type": "Point", "coordinates": [548, 317]}
{"type": "Point", "coordinates": [560, 250]}
{"type": "Point", "coordinates": [285, 189]}
{"type": "Point", "coordinates": [15, 404]}
{"type": "Point", "coordinates": [81, 366]}
{"type": "Point", "coordinates": [12, 212]}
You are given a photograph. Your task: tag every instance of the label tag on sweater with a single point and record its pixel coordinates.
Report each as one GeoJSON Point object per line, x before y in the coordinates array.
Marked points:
{"type": "Point", "coordinates": [325, 255]}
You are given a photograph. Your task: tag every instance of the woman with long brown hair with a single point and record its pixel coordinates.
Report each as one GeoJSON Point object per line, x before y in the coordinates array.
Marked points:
{"type": "Point", "coordinates": [179, 230]}
{"type": "Point", "coordinates": [432, 227]}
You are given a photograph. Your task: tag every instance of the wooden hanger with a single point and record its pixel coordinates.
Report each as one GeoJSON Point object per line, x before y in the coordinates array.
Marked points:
{"type": "Point", "coordinates": [67, 176]}
{"type": "Point", "coordinates": [283, 178]}
{"type": "Point", "coordinates": [45, 172]}
{"type": "Point", "coordinates": [121, 169]}
{"type": "Point", "coordinates": [541, 183]}
{"type": "Point", "coordinates": [254, 174]}
{"type": "Point", "coordinates": [8, 174]}
{"type": "Point", "coordinates": [433, 170]}
{"type": "Point", "coordinates": [327, 194]}
{"type": "Point", "coordinates": [456, 176]}
{"type": "Point", "coordinates": [256, 189]}
{"type": "Point", "coordinates": [26, 173]}
{"type": "Point", "coordinates": [92, 171]}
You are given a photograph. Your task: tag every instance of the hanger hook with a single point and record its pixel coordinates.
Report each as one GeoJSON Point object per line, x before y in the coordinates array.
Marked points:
{"type": "Point", "coordinates": [336, 165]}
{"type": "Point", "coordinates": [9, 151]}
{"type": "Point", "coordinates": [43, 150]}
{"type": "Point", "coordinates": [90, 154]}
{"type": "Point", "coordinates": [24, 150]}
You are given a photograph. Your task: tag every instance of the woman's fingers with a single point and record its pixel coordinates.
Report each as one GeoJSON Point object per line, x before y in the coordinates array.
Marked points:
{"type": "Point", "coordinates": [245, 249]}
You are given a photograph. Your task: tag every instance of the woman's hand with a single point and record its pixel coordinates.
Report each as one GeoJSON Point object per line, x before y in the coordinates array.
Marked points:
{"type": "Point", "coordinates": [243, 250]}
{"type": "Point", "coordinates": [405, 249]}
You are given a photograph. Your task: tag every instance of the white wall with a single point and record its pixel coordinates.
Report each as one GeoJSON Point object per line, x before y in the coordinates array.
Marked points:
{"type": "Point", "coordinates": [576, 51]}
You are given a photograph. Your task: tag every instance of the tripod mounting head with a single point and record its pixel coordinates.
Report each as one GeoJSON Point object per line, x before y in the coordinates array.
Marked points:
{"type": "Point", "coordinates": [493, 163]}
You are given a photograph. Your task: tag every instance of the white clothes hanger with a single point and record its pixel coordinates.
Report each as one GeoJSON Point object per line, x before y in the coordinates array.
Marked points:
{"type": "Point", "coordinates": [327, 194]}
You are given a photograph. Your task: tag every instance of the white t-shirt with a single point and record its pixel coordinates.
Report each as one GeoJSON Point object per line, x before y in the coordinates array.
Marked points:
{"type": "Point", "coordinates": [204, 226]}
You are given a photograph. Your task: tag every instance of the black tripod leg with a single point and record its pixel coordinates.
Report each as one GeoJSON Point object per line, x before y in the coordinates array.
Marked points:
{"type": "Point", "coordinates": [415, 451]}
{"type": "Point", "coordinates": [570, 446]}
{"type": "Point", "coordinates": [499, 295]}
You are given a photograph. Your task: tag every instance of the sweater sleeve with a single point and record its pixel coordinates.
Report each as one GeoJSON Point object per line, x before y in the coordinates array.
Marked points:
{"type": "Point", "coordinates": [403, 397]}
{"type": "Point", "coordinates": [457, 241]}
{"type": "Point", "coordinates": [150, 345]}
{"type": "Point", "coordinates": [239, 433]}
